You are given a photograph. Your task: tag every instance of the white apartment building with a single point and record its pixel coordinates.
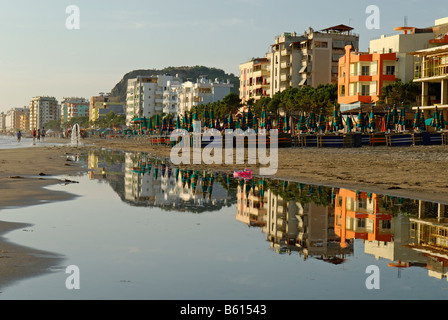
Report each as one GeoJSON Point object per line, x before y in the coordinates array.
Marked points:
{"type": "Point", "coordinates": [171, 97]}
{"type": "Point", "coordinates": [202, 92]}
{"type": "Point", "coordinates": [310, 59]}
{"type": "Point", "coordinates": [145, 96]}
{"type": "Point", "coordinates": [43, 110]}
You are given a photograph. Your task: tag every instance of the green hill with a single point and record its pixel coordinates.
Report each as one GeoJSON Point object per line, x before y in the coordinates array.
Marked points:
{"type": "Point", "coordinates": [187, 73]}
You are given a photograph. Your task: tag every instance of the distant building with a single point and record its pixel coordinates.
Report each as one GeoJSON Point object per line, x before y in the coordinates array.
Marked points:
{"type": "Point", "coordinates": [145, 96]}
{"type": "Point", "coordinates": [2, 122]}
{"type": "Point", "coordinates": [73, 108]}
{"type": "Point", "coordinates": [13, 119]}
{"type": "Point", "coordinates": [43, 110]}
{"type": "Point", "coordinates": [202, 92]}
{"type": "Point", "coordinates": [102, 105]}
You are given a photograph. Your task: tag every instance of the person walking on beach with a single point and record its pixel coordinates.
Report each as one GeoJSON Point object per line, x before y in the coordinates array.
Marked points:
{"type": "Point", "coordinates": [38, 135]}
{"type": "Point", "coordinates": [19, 136]}
{"type": "Point", "coordinates": [43, 134]}
{"type": "Point", "coordinates": [34, 136]}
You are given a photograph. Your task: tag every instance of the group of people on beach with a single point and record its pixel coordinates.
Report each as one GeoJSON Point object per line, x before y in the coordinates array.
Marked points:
{"type": "Point", "coordinates": [39, 134]}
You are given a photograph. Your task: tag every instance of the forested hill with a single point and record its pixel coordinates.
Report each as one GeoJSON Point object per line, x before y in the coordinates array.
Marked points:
{"type": "Point", "coordinates": [187, 73]}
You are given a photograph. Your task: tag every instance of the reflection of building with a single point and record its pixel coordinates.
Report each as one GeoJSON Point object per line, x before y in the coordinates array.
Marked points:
{"type": "Point", "coordinates": [429, 237]}
{"type": "Point", "coordinates": [359, 216]}
{"type": "Point", "coordinates": [150, 182]}
{"type": "Point", "coordinates": [251, 208]}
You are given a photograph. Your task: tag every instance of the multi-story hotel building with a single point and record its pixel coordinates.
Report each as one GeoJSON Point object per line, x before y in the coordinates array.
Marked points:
{"type": "Point", "coordinates": [145, 96]}
{"type": "Point", "coordinates": [254, 79]}
{"type": "Point", "coordinates": [296, 61]}
{"type": "Point", "coordinates": [102, 105]}
{"type": "Point", "coordinates": [431, 69]}
{"type": "Point", "coordinates": [202, 92]}
{"type": "Point", "coordinates": [43, 110]}
{"type": "Point", "coordinates": [13, 119]}
{"type": "Point", "coordinates": [74, 107]}
{"type": "Point", "coordinates": [362, 76]}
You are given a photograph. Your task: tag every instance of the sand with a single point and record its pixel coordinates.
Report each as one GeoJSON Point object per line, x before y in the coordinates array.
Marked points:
{"type": "Point", "coordinates": [23, 175]}
{"type": "Point", "coordinates": [418, 172]}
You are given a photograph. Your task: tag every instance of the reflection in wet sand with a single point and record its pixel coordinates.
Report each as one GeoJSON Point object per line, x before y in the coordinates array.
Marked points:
{"type": "Point", "coordinates": [316, 222]}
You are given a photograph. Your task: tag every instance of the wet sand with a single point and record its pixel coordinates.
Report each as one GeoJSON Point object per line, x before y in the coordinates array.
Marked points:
{"type": "Point", "coordinates": [23, 175]}
{"type": "Point", "coordinates": [412, 172]}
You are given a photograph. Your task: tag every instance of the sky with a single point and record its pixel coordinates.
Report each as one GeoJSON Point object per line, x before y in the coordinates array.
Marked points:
{"type": "Point", "coordinates": [40, 56]}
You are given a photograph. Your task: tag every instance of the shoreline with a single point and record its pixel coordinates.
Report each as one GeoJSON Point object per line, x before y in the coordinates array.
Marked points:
{"type": "Point", "coordinates": [23, 185]}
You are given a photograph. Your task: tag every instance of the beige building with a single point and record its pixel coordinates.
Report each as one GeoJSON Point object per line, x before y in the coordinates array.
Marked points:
{"type": "Point", "coordinates": [43, 110]}
{"type": "Point", "coordinates": [296, 61]}
{"type": "Point", "coordinates": [254, 79]}
{"type": "Point", "coordinates": [12, 119]}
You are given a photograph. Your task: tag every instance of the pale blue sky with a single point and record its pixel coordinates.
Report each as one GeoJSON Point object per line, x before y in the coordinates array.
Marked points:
{"type": "Point", "coordinates": [39, 56]}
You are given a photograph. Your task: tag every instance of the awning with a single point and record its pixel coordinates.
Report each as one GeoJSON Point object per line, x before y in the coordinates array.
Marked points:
{"type": "Point", "coordinates": [302, 82]}
{"type": "Point", "coordinates": [303, 69]}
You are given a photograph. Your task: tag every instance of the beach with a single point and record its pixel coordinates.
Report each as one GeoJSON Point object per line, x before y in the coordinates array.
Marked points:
{"type": "Point", "coordinates": [411, 172]}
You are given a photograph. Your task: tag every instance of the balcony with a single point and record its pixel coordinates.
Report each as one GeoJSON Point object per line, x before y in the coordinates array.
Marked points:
{"type": "Point", "coordinates": [285, 65]}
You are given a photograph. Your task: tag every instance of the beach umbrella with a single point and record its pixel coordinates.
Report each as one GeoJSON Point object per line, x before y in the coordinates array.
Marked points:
{"type": "Point", "coordinates": [250, 118]}
{"type": "Point", "coordinates": [402, 119]}
{"type": "Point", "coordinates": [302, 124]}
{"type": "Point", "coordinates": [178, 123]}
{"type": "Point", "coordinates": [164, 124]}
{"type": "Point", "coordinates": [389, 121]}
{"type": "Point", "coordinates": [157, 123]}
{"type": "Point", "coordinates": [238, 124]}
{"type": "Point", "coordinates": [435, 119]}
{"type": "Point", "coordinates": [243, 121]}
{"type": "Point", "coordinates": [263, 119]}
{"type": "Point", "coordinates": [279, 124]}
{"type": "Point", "coordinates": [417, 119]}
{"type": "Point", "coordinates": [255, 123]}
{"type": "Point", "coordinates": [231, 124]}
{"type": "Point", "coordinates": [225, 124]}
{"type": "Point", "coordinates": [312, 125]}
{"type": "Point", "coordinates": [336, 120]}
{"type": "Point", "coordinates": [372, 124]}
{"type": "Point", "coordinates": [442, 122]}
{"type": "Point", "coordinates": [422, 121]}
{"type": "Point", "coordinates": [349, 124]}
{"type": "Point", "coordinates": [322, 124]}
{"type": "Point", "coordinates": [360, 122]}
{"type": "Point", "coordinates": [211, 124]}
{"type": "Point", "coordinates": [395, 117]}
{"type": "Point", "coordinates": [286, 127]}
{"type": "Point", "coordinates": [195, 116]}
{"type": "Point", "coordinates": [206, 117]}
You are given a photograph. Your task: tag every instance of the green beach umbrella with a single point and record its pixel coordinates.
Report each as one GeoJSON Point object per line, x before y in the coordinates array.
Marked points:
{"type": "Point", "coordinates": [250, 118]}
{"type": "Point", "coordinates": [302, 124]}
{"type": "Point", "coordinates": [360, 124]}
{"type": "Point", "coordinates": [442, 122]}
{"type": "Point", "coordinates": [255, 123]}
{"type": "Point", "coordinates": [157, 123]}
{"type": "Point", "coordinates": [336, 120]}
{"type": "Point", "coordinates": [372, 124]}
{"type": "Point", "coordinates": [243, 121]}
{"type": "Point", "coordinates": [206, 117]}
{"type": "Point", "coordinates": [178, 123]}
{"type": "Point", "coordinates": [422, 121]}
{"type": "Point", "coordinates": [322, 124]}
{"type": "Point", "coordinates": [417, 119]}
{"type": "Point", "coordinates": [238, 124]}
{"type": "Point", "coordinates": [231, 123]}
{"type": "Point", "coordinates": [263, 122]}
{"type": "Point", "coordinates": [349, 124]}
{"type": "Point", "coordinates": [435, 119]}
{"type": "Point", "coordinates": [395, 117]}
{"type": "Point", "coordinates": [286, 127]}
{"type": "Point", "coordinates": [211, 124]}
{"type": "Point", "coordinates": [279, 124]}
{"type": "Point", "coordinates": [402, 119]}
{"type": "Point", "coordinates": [312, 125]}
{"type": "Point", "coordinates": [389, 121]}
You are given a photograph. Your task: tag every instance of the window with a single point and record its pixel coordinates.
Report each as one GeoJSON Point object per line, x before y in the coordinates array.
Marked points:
{"type": "Point", "coordinates": [365, 70]}
{"type": "Point", "coordinates": [390, 70]}
{"type": "Point", "coordinates": [365, 90]}
{"type": "Point", "coordinates": [361, 223]}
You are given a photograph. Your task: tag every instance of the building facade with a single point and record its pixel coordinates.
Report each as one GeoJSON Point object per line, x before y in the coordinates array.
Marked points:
{"type": "Point", "coordinates": [202, 92]}
{"type": "Point", "coordinates": [72, 108]}
{"type": "Point", "coordinates": [255, 80]}
{"type": "Point", "coordinates": [362, 77]}
{"type": "Point", "coordinates": [102, 105]}
{"type": "Point", "coordinates": [43, 110]}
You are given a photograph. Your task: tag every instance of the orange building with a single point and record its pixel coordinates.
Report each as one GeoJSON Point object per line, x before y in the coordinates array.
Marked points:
{"type": "Point", "coordinates": [358, 216]}
{"type": "Point", "coordinates": [362, 76]}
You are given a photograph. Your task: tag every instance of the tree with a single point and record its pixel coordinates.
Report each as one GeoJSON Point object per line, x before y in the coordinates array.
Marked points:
{"type": "Point", "coordinates": [54, 125]}
{"type": "Point", "coordinates": [401, 92]}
